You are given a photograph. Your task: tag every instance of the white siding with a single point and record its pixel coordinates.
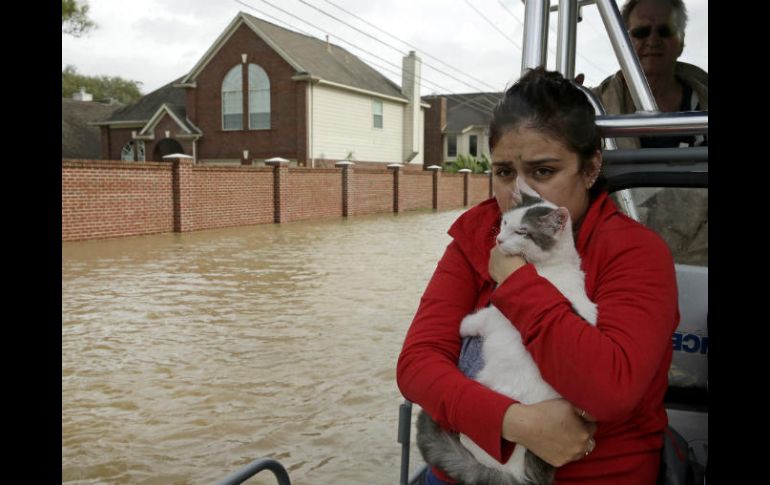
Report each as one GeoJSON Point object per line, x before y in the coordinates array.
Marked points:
{"type": "Point", "coordinates": [342, 123]}
{"type": "Point", "coordinates": [464, 144]}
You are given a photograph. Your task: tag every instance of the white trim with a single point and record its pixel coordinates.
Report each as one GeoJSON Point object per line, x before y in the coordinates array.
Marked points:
{"type": "Point", "coordinates": [185, 85]}
{"type": "Point", "coordinates": [158, 115]}
{"type": "Point", "coordinates": [470, 128]}
{"type": "Point", "coordinates": [363, 91]}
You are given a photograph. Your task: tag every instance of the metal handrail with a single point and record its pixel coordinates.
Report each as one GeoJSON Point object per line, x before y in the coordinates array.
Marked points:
{"type": "Point", "coordinates": [255, 467]}
{"type": "Point", "coordinates": [657, 124]}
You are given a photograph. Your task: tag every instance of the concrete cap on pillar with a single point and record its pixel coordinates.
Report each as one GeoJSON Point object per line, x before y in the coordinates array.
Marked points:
{"type": "Point", "coordinates": [434, 167]}
{"type": "Point", "coordinates": [344, 163]}
{"type": "Point", "coordinates": [276, 161]}
{"type": "Point", "coordinates": [395, 166]}
{"type": "Point", "coordinates": [464, 170]}
{"type": "Point", "coordinates": [180, 156]}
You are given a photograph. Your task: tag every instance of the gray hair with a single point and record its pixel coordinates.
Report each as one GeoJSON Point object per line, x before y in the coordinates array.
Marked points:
{"type": "Point", "coordinates": [677, 8]}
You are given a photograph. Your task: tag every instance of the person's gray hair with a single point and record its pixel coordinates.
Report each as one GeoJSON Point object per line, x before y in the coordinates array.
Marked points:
{"type": "Point", "coordinates": [677, 7]}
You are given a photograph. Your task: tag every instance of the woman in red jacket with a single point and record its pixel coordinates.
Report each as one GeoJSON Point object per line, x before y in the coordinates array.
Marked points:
{"type": "Point", "coordinates": [608, 428]}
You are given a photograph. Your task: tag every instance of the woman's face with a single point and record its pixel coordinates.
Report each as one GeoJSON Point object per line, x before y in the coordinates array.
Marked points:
{"type": "Point", "coordinates": [547, 166]}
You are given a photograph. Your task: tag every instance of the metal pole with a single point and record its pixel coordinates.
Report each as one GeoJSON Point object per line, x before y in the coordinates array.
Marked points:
{"type": "Point", "coordinates": [535, 34]}
{"type": "Point", "coordinates": [681, 123]}
{"type": "Point", "coordinates": [404, 428]}
{"type": "Point", "coordinates": [624, 51]}
{"type": "Point", "coordinates": [565, 49]}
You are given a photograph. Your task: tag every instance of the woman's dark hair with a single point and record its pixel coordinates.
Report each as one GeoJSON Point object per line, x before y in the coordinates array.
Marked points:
{"type": "Point", "coordinates": [547, 102]}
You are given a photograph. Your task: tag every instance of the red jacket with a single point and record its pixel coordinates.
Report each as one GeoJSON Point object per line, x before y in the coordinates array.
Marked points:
{"type": "Point", "coordinates": [616, 371]}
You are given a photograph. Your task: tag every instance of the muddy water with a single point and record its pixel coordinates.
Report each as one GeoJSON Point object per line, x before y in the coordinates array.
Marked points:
{"type": "Point", "coordinates": [186, 356]}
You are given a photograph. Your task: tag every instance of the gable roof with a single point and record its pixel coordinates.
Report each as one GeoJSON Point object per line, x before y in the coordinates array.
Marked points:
{"type": "Point", "coordinates": [466, 110]}
{"type": "Point", "coordinates": [147, 106]}
{"type": "Point", "coordinates": [308, 56]}
{"type": "Point", "coordinates": [79, 138]}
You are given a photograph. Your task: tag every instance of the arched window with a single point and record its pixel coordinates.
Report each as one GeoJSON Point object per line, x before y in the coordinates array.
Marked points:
{"type": "Point", "coordinates": [259, 98]}
{"type": "Point", "coordinates": [133, 150]}
{"type": "Point", "coordinates": [232, 99]}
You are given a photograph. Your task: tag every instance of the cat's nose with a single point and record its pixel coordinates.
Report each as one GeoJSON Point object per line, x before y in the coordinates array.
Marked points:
{"type": "Point", "coordinates": [499, 239]}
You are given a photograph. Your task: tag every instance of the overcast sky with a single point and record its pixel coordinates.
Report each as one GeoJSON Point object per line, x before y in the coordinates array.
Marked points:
{"type": "Point", "coordinates": [157, 41]}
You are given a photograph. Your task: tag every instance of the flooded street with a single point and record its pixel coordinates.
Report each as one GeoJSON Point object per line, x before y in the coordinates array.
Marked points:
{"type": "Point", "coordinates": [186, 356]}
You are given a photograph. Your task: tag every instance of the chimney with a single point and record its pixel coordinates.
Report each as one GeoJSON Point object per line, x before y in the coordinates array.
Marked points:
{"type": "Point", "coordinates": [410, 87]}
{"type": "Point", "coordinates": [82, 95]}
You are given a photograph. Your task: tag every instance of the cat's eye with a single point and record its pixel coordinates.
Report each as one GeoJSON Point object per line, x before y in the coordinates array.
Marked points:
{"type": "Point", "coordinates": [521, 232]}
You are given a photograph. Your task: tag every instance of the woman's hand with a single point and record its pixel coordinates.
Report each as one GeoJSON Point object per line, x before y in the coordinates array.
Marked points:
{"type": "Point", "coordinates": [552, 430]}
{"type": "Point", "coordinates": [501, 265]}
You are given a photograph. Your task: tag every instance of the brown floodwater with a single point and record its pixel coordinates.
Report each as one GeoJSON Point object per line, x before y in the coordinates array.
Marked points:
{"type": "Point", "coordinates": [186, 356]}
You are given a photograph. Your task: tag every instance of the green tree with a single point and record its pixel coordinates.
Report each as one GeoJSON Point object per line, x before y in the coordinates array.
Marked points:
{"type": "Point", "coordinates": [101, 87]}
{"type": "Point", "coordinates": [74, 18]}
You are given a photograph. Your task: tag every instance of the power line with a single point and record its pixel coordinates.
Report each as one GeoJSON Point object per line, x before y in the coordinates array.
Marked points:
{"type": "Point", "coordinates": [493, 25]}
{"type": "Point", "coordinates": [473, 103]}
{"type": "Point", "coordinates": [407, 43]}
{"type": "Point", "coordinates": [476, 88]}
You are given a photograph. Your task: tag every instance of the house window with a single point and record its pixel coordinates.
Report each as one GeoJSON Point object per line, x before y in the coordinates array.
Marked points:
{"type": "Point", "coordinates": [451, 146]}
{"type": "Point", "coordinates": [232, 99]}
{"type": "Point", "coordinates": [377, 113]}
{"type": "Point", "coordinates": [133, 151]}
{"type": "Point", "coordinates": [473, 145]}
{"type": "Point", "coordinates": [259, 98]}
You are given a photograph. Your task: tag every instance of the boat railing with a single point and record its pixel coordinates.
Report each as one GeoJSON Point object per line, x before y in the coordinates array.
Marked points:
{"type": "Point", "coordinates": [256, 466]}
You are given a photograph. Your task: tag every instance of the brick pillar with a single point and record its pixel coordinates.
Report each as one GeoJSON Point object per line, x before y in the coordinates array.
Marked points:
{"type": "Point", "coordinates": [347, 186]}
{"type": "Point", "coordinates": [436, 176]}
{"type": "Point", "coordinates": [280, 188]}
{"type": "Point", "coordinates": [466, 184]}
{"type": "Point", "coordinates": [182, 192]}
{"type": "Point", "coordinates": [396, 167]}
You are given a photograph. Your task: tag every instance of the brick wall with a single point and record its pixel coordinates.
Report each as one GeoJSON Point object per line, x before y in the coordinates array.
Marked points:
{"type": "Point", "coordinates": [314, 193]}
{"type": "Point", "coordinates": [287, 136]}
{"type": "Point", "coordinates": [450, 194]}
{"type": "Point", "coordinates": [478, 189]}
{"type": "Point", "coordinates": [108, 199]}
{"type": "Point", "coordinates": [416, 190]}
{"type": "Point", "coordinates": [435, 122]}
{"type": "Point", "coordinates": [372, 192]}
{"type": "Point", "coordinates": [231, 196]}
{"type": "Point", "coordinates": [103, 199]}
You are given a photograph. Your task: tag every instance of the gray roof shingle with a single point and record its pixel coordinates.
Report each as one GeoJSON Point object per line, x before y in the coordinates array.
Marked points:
{"type": "Point", "coordinates": [147, 105]}
{"type": "Point", "coordinates": [78, 138]}
{"type": "Point", "coordinates": [464, 110]}
{"type": "Point", "coordinates": [327, 61]}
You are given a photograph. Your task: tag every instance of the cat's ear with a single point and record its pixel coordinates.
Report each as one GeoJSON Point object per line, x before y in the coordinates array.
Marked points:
{"type": "Point", "coordinates": [516, 198]}
{"type": "Point", "coordinates": [555, 221]}
{"type": "Point", "coordinates": [526, 189]}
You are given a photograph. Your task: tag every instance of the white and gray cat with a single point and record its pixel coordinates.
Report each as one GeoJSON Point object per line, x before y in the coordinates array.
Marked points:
{"type": "Point", "coordinates": [542, 233]}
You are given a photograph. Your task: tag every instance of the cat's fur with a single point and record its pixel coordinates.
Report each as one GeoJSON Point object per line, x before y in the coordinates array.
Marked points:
{"type": "Point", "coordinates": [542, 233]}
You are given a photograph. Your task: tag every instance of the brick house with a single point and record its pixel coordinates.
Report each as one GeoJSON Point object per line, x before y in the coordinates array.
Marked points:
{"type": "Point", "coordinates": [262, 91]}
{"type": "Point", "coordinates": [457, 124]}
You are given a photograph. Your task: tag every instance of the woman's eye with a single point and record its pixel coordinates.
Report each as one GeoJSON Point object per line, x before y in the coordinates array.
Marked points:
{"type": "Point", "coordinates": [504, 172]}
{"type": "Point", "coordinates": [543, 172]}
